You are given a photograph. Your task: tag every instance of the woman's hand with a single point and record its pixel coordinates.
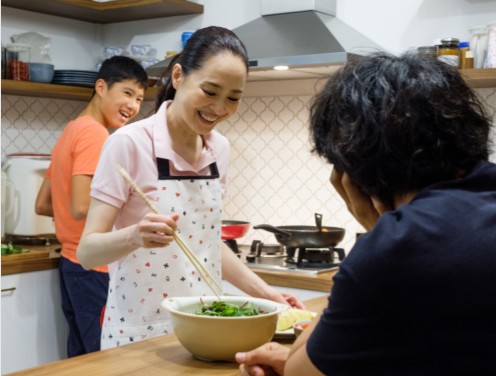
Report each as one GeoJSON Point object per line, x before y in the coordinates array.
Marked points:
{"type": "Point", "coordinates": [359, 204]}
{"type": "Point", "coordinates": [266, 360]}
{"type": "Point", "coordinates": [156, 230]}
{"type": "Point", "coordinates": [284, 298]}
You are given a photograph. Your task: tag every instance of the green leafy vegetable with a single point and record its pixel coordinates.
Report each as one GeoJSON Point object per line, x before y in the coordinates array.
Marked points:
{"type": "Point", "coordinates": [8, 249]}
{"type": "Point", "coordinates": [219, 308]}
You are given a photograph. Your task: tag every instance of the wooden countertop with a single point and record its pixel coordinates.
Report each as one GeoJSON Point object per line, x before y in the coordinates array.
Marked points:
{"type": "Point", "coordinates": [27, 264]}
{"type": "Point", "coordinates": [160, 355]}
{"type": "Point", "coordinates": [316, 282]}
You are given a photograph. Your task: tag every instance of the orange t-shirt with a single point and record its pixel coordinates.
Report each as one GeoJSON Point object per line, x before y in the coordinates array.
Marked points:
{"type": "Point", "coordinates": [76, 153]}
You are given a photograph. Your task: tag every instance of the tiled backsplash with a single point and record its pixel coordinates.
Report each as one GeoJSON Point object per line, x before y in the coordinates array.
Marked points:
{"type": "Point", "coordinates": [273, 177]}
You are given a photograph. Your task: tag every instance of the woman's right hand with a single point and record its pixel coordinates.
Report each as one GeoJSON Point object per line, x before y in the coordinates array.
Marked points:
{"type": "Point", "coordinates": [156, 230]}
{"type": "Point", "coordinates": [359, 204]}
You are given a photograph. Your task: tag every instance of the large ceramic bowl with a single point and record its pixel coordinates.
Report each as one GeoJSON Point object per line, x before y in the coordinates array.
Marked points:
{"type": "Point", "coordinates": [220, 338]}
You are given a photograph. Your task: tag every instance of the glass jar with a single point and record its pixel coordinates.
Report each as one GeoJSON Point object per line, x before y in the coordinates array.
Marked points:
{"type": "Point", "coordinates": [18, 61]}
{"type": "Point", "coordinates": [427, 50]}
{"type": "Point", "coordinates": [463, 51]}
{"type": "Point", "coordinates": [449, 52]}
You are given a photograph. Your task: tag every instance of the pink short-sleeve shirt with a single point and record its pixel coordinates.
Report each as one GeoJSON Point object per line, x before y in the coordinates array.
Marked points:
{"type": "Point", "coordinates": [135, 147]}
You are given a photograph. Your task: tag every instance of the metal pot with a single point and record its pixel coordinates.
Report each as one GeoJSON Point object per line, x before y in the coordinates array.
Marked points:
{"type": "Point", "coordinates": [234, 229]}
{"type": "Point", "coordinates": [306, 236]}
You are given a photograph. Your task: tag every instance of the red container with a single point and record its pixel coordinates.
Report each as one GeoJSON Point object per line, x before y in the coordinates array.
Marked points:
{"type": "Point", "coordinates": [234, 229]}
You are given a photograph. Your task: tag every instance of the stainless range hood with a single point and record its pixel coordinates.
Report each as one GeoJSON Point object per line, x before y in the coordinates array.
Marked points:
{"type": "Point", "coordinates": [310, 43]}
{"type": "Point", "coordinates": [302, 35]}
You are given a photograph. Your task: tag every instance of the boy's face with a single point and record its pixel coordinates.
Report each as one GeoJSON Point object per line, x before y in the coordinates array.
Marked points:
{"type": "Point", "coordinates": [121, 102]}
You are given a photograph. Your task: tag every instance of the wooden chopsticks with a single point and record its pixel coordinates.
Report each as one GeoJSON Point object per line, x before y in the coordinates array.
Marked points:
{"type": "Point", "coordinates": [209, 279]}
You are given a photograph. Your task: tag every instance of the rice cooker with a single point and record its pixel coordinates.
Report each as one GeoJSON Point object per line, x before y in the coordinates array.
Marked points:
{"type": "Point", "coordinates": [24, 174]}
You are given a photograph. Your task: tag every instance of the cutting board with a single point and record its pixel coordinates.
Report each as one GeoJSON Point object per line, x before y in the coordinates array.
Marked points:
{"type": "Point", "coordinates": [26, 254]}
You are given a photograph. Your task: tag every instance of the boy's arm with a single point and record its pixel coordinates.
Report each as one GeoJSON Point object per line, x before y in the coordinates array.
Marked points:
{"type": "Point", "coordinates": [80, 196]}
{"type": "Point", "coordinates": [43, 204]}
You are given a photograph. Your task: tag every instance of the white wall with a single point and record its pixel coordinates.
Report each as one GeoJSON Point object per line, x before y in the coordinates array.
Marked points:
{"type": "Point", "coordinates": [399, 25]}
{"type": "Point", "coordinates": [394, 25]}
{"type": "Point", "coordinates": [74, 44]}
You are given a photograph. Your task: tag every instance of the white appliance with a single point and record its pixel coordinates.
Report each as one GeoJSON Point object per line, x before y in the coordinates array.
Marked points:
{"type": "Point", "coordinates": [24, 174]}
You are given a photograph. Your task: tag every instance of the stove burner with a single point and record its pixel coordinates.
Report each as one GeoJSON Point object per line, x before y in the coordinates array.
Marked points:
{"type": "Point", "coordinates": [303, 260]}
{"type": "Point", "coordinates": [314, 257]}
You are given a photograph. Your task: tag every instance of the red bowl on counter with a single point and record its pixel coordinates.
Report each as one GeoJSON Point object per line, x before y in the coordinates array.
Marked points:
{"type": "Point", "coordinates": [234, 229]}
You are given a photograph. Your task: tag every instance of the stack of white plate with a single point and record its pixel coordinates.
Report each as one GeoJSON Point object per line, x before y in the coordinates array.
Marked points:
{"type": "Point", "coordinates": [75, 77]}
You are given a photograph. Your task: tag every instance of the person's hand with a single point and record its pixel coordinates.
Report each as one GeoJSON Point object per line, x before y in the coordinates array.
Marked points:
{"type": "Point", "coordinates": [157, 230]}
{"type": "Point", "coordinates": [359, 204]}
{"type": "Point", "coordinates": [266, 360]}
{"type": "Point", "coordinates": [284, 298]}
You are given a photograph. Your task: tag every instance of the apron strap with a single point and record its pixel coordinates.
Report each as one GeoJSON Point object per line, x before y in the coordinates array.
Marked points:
{"type": "Point", "coordinates": [163, 167]}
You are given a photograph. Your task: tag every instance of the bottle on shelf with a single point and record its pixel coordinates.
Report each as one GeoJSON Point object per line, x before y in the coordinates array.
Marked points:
{"type": "Point", "coordinates": [464, 46]}
{"type": "Point", "coordinates": [449, 51]}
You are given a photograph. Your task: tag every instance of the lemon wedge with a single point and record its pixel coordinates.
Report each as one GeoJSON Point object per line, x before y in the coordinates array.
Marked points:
{"type": "Point", "coordinates": [288, 317]}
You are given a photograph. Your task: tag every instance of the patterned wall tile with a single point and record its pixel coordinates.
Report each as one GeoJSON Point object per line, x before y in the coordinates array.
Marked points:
{"type": "Point", "coordinates": [273, 178]}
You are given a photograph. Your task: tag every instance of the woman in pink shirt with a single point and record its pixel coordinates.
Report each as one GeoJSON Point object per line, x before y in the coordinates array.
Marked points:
{"type": "Point", "coordinates": [180, 162]}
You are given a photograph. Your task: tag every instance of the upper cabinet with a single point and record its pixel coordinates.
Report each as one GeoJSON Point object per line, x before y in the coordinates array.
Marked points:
{"type": "Point", "coordinates": [97, 11]}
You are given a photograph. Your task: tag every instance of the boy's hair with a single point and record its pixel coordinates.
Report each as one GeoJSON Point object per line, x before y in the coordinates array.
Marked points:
{"type": "Point", "coordinates": [121, 68]}
{"type": "Point", "coordinates": [399, 124]}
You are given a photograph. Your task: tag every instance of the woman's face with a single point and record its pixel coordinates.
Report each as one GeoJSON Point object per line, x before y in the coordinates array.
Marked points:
{"type": "Point", "coordinates": [208, 95]}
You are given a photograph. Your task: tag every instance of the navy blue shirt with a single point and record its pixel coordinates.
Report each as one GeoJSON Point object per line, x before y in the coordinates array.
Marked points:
{"type": "Point", "coordinates": [417, 295]}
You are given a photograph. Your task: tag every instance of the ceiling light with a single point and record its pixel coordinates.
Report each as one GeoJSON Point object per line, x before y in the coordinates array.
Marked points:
{"type": "Point", "coordinates": [281, 67]}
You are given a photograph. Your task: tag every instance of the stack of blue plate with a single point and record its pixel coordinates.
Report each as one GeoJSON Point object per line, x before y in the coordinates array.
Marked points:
{"type": "Point", "coordinates": [74, 77]}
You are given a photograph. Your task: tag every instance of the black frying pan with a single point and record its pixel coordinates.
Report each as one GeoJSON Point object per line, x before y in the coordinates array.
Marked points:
{"type": "Point", "coordinates": [306, 236]}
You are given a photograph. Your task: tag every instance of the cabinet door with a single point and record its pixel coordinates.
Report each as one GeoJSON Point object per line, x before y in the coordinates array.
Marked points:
{"type": "Point", "coordinates": [34, 330]}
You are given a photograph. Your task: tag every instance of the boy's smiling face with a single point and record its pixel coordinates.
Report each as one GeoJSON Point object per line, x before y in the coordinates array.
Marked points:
{"type": "Point", "coordinates": [119, 103]}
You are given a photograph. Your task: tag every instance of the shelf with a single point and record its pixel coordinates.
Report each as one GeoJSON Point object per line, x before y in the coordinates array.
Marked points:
{"type": "Point", "coordinates": [40, 90]}
{"type": "Point", "coordinates": [480, 78]}
{"type": "Point", "coordinates": [476, 78]}
{"type": "Point", "coordinates": [108, 12]}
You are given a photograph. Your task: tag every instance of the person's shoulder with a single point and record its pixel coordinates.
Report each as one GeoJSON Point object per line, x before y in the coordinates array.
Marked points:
{"type": "Point", "coordinates": [85, 123]}
{"type": "Point", "coordinates": [134, 135]}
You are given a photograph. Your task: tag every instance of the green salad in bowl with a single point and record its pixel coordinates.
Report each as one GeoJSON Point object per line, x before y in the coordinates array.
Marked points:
{"type": "Point", "coordinates": [237, 323]}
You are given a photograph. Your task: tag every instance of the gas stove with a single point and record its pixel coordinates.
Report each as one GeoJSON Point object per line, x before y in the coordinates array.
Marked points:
{"type": "Point", "coordinates": [276, 257]}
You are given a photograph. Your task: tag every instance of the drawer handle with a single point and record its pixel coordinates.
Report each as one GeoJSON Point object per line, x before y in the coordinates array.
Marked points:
{"type": "Point", "coordinates": [8, 289]}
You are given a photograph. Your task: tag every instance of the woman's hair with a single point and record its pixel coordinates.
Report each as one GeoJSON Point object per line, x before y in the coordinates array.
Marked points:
{"type": "Point", "coordinates": [201, 46]}
{"type": "Point", "coordinates": [399, 124]}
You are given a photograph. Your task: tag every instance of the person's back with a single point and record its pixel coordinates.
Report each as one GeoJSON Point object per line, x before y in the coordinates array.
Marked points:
{"type": "Point", "coordinates": [409, 143]}
{"type": "Point", "coordinates": [75, 154]}
{"type": "Point", "coordinates": [64, 194]}
{"type": "Point", "coordinates": [417, 291]}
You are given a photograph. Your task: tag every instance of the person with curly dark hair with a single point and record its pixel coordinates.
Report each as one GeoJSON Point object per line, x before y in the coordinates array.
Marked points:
{"type": "Point", "coordinates": [409, 142]}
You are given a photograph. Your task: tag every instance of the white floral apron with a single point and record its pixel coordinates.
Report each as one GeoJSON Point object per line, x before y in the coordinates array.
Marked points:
{"type": "Point", "coordinates": [148, 275]}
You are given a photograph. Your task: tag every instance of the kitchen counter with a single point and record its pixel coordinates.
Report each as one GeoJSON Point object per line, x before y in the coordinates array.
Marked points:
{"type": "Point", "coordinates": [160, 355]}
{"type": "Point", "coordinates": [39, 258]}
{"type": "Point", "coordinates": [316, 282]}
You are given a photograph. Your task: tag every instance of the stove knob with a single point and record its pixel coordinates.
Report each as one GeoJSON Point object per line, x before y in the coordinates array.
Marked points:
{"type": "Point", "coordinates": [250, 258]}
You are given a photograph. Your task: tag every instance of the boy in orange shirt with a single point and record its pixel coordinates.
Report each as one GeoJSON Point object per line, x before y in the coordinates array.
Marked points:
{"type": "Point", "coordinates": [65, 193]}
